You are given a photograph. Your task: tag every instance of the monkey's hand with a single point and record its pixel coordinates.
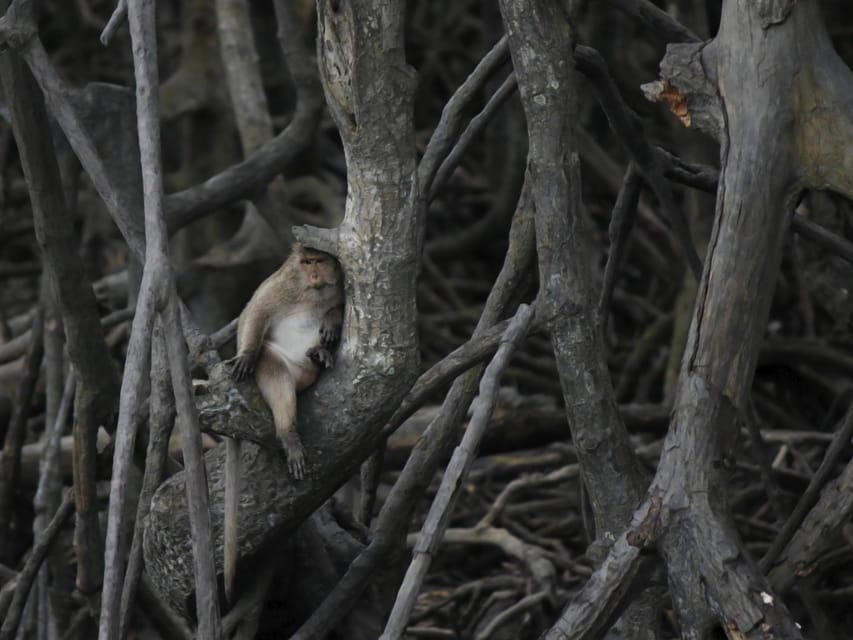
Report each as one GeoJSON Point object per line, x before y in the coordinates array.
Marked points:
{"type": "Point", "coordinates": [242, 365]}
{"type": "Point", "coordinates": [295, 454]}
{"type": "Point", "coordinates": [321, 357]}
{"type": "Point", "coordinates": [330, 327]}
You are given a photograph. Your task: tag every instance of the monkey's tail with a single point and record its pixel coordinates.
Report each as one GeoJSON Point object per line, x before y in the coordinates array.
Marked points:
{"type": "Point", "coordinates": [232, 505]}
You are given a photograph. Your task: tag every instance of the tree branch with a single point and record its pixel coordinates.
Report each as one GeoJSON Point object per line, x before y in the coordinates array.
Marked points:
{"type": "Point", "coordinates": [454, 477]}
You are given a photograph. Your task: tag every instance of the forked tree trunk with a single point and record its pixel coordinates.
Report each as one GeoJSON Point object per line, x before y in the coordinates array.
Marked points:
{"type": "Point", "coordinates": [369, 89]}
{"type": "Point", "coordinates": [779, 100]}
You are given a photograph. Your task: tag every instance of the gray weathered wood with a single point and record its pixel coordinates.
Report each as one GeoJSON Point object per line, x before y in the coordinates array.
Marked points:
{"type": "Point", "coordinates": [454, 477]}
{"type": "Point", "coordinates": [538, 33]}
{"type": "Point", "coordinates": [340, 419]}
{"type": "Point", "coordinates": [784, 122]}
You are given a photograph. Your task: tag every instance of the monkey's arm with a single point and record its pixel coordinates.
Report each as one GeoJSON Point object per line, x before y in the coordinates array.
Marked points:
{"type": "Point", "coordinates": [330, 327]}
{"type": "Point", "coordinates": [253, 325]}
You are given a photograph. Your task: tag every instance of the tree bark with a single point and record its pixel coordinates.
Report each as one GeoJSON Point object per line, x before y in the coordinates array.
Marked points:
{"type": "Point", "coordinates": [763, 104]}
{"type": "Point", "coordinates": [539, 35]}
{"type": "Point", "coordinates": [378, 243]}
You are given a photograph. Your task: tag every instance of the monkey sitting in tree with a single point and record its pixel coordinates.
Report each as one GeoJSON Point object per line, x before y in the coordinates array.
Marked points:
{"type": "Point", "coordinates": [285, 334]}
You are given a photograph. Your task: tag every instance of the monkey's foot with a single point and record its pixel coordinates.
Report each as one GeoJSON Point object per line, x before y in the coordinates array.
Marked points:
{"type": "Point", "coordinates": [321, 356]}
{"type": "Point", "coordinates": [242, 366]}
{"type": "Point", "coordinates": [295, 454]}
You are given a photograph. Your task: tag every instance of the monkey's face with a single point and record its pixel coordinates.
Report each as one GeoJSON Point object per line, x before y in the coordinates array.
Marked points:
{"type": "Point", "coordinates": [319, 269]}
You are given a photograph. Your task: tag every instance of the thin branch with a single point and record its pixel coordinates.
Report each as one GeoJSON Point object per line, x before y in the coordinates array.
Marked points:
{"type": "Point", "coordinates": [207, 600]}
{"type": "Point", "coordinates": [87, 348]}
{"type": "Point", "coordinates": [265, 163]}
{"type": "Point", "coordinates": [161, 420]}
{"type": "Point", "coordinates": [157, 293]}
{"type": "Point", "coordinates": [475, 127]}
{"type": "Point", "coordinates": [223, 336]}
{"type": "Point", "coordinates": [59, 394]}
{"type": "Point", "coordinates": [447, 129]}
{"type": "Point", "coordinates": [621, 221]}
{"type": "Point", "coordinates": [817, 534]}
{"type": "Point", "coordinates": [115, 21]}
{"type": "Point", "coordinates": [165, 619]}
{"type": "Point", "coordinates": [454, 477]}
{"type": "Point", "coordinates": [239, 56]}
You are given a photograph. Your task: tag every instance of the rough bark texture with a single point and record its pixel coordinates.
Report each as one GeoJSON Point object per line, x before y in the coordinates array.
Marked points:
{"type": "Point", "coordinates": [758, 189]}
{"type": "Point", "coordinates": [767, 159]}
{"type": "Point", "coordinates": [340, 419]}
{"type": "Point", "coordinates": [538, 33]}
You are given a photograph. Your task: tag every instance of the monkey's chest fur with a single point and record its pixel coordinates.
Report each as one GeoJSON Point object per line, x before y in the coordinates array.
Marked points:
{"type": "Point", "coordinates": [293, 335]}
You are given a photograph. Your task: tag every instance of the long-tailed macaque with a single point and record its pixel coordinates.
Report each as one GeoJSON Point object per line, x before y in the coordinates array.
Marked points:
{"type": "Point", "coordinates": [284, 336]}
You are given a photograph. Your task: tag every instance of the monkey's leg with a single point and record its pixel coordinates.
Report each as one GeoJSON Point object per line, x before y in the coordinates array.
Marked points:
{"type": "Point", "coordinates": [278, 387]}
